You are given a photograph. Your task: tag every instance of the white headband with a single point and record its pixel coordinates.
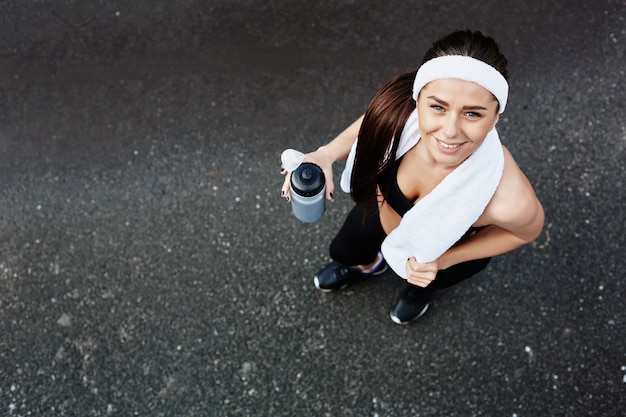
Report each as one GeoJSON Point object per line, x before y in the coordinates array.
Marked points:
{"type": "Point", "coordinates": [463, 68]}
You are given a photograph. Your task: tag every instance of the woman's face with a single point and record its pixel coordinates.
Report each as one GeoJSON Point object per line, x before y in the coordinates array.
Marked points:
{"type": "Point", "coordinates": [455, 117]}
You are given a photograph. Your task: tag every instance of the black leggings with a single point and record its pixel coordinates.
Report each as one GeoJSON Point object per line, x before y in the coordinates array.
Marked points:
{"type": "Point", "coordinates": [358, 243]}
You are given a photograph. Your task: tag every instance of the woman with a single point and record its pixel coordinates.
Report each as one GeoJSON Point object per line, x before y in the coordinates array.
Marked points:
{"type": "Point", "coordinates": [437, 195]}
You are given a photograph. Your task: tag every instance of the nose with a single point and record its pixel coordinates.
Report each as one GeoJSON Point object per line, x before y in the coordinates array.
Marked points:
{"type": "Point", "coordinates": [451, 126]}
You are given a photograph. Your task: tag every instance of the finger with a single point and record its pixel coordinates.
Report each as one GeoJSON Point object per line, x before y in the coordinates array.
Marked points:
{"type": "Point", "coordinates": [410, 270]}
{"type": "Point", "coordinates": [423, 268]}
{"type": "Point", "coordinates": [285, 191]}
{"type": "Point", "coordinates": [330, 194]}
{"type": "Point", "coordinates": [330, 184]}
{"type": "Point", "coordinates": [420, 282]}
{"type": "Point", "coordinates": [423, 280]}
{"type": "Point", "coordinates": [424, 277]}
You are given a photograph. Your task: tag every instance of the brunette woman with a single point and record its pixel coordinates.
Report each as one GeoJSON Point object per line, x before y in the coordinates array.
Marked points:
{"type": "Point", "coordinates": [436, 193]}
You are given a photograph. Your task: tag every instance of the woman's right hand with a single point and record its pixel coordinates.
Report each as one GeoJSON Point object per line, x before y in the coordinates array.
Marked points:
{"type": "Point", "coordinates": [322, 158]}
{"type": "Point", "coordinates": [336, 150]}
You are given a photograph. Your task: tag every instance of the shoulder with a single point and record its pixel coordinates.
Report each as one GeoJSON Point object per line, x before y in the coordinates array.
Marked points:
{"type": "Point", "coordinates": [515, 205]}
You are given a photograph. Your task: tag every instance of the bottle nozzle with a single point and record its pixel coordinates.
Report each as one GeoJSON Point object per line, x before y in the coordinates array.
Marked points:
{"type": "Point", "coordinates": [291, 159]}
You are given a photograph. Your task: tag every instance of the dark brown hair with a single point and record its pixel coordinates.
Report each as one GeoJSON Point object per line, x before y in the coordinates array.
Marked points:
{"type": "Point", "coordinates": [390, 108]}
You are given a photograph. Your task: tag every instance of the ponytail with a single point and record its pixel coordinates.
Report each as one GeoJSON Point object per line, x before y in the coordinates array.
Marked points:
{"type": "Point", "coordinates": [379, 136]}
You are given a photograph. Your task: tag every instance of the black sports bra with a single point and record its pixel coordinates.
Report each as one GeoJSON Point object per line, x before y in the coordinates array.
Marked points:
{"type": "Point", "coordinates": [388, 183]}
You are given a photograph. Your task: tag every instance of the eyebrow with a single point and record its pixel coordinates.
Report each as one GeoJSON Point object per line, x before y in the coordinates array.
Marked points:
{"type": "Point", "coordinates": [445, 103]}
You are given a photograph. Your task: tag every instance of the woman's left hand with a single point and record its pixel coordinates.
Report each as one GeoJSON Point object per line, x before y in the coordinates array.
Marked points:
{"type": "Point", "coordinates": [421, 274]}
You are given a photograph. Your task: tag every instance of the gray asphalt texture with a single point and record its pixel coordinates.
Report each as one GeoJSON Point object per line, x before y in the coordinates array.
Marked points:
{"type": "Point", "coordinates": [148, 266]}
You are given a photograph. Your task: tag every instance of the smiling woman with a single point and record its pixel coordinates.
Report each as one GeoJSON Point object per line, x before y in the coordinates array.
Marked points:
{"type": "Point", "coordinates": [437, 195]}
{"type": "Point", "coordinates": [455, 117]}
{"type": "Point", "coordinates": [449, 134]}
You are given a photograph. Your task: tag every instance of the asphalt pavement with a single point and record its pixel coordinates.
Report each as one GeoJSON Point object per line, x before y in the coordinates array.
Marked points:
{"type": "Point", "coordinates": [148, 266]}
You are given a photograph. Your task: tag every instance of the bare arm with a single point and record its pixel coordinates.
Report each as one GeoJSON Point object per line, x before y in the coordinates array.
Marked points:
{"type": "Point", "coordinates": [491, 241]}
{"type": "Point", "coordinates": [339, 148]}
{"type": "Point", "coordinates": [494, 240]}
{"type": "Point", "coordinates": [515, 217]}
{"type": "Point", "coordinates": [336, 150]}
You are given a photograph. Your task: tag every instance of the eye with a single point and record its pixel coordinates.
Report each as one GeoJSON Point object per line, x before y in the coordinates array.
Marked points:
{"type": "Point", "coordinates": [473, 115]}
{"type": "Point", "coordinates": [436, 107]}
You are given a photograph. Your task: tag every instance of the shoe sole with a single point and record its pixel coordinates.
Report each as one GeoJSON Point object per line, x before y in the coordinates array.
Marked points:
{"type": "Point", "coordinates": [404, 323]}
{"type": "Point", "coordinates": [316, 281]}
{"type": "Point", "coordinates": [382, 271]}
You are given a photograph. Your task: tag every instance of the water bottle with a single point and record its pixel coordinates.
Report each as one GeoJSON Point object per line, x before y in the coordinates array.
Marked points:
{"type": "Point", "coordinates": [308, 189]}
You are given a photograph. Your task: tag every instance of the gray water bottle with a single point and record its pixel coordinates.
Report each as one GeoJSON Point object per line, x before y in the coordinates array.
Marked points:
{"type": "Point", "coordinates": [308, 189]}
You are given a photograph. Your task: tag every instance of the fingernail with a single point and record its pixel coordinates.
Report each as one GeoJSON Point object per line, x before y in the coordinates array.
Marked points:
{"type": "Point", "coordinates": [282, 193]}
{"type": "Point", "coordinates": [331, 196]}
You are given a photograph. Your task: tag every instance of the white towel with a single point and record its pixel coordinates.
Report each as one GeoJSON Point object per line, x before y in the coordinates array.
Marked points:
{"type": "Point", "coordinates": [440, 218]}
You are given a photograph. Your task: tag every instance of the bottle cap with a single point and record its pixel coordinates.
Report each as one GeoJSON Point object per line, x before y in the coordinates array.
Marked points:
{"type": "Point", "coordinates": [307, 180]}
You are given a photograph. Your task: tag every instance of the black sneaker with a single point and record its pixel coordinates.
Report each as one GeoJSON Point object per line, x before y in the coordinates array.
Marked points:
{"type": "Point", "coordinates": [336, 276]}
{"type": "Point", "coordinates": [410, 305]}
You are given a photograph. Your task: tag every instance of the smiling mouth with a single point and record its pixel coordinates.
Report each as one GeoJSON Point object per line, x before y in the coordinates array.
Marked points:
{"type": "Point", "coordinates": [448, 145]}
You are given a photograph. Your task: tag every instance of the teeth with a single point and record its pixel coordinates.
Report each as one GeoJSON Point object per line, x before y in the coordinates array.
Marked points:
{"type": "Point", "coordinates": [445, 145]}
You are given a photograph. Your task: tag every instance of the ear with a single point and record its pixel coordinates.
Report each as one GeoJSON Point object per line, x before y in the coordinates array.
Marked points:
{"type": "Point", "coordinates": [495, 122]}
